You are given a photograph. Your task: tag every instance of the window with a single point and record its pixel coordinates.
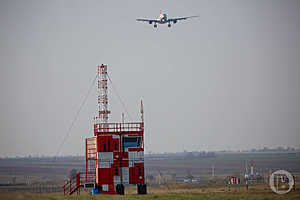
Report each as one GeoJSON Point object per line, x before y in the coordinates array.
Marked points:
{"type": "Point", "coordinates": [130, 139]}
{"type": "Point", "coordinates": [132, 142]}
{"type": "Point", "coordinates": [116, 146]}
{"type": "Point", "coordinates": [104, 147]}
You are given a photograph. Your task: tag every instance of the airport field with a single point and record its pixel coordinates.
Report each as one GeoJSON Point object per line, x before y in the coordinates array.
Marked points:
{"type": "Point", "coordinates": [172, 192]}
{"type": "Point", "coordinates": [50, 170]}
{"type": "Point", "coordinates": [42, 178]}
{"type": "Point", "coordinates": [227, 163]}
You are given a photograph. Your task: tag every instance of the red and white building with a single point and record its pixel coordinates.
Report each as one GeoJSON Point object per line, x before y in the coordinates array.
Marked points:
{"type": "Point", "coordinates": [115, 154]}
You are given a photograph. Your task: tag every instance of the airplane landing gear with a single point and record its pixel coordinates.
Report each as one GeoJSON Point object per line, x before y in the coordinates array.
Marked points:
{"type": "Point", "coordinates": [155, 25]}
{"type": "Point", "coordinates": [169, 25]}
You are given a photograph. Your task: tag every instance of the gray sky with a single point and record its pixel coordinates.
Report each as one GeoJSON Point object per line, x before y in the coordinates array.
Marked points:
{"type": "Point", "coordinates": [227, 80]}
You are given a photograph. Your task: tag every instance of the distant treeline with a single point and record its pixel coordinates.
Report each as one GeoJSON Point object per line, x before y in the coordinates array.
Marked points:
{"type": "Point", "coordinates": [178, 155]}
{"type": "Point", "coordinates": [277, 149]}
{"type": "Point", "coordinates": [197, 155]}
{"type": "Point", "coordinates": [193, 155]}
{"type": "Point", "coordinates": [46, 158]}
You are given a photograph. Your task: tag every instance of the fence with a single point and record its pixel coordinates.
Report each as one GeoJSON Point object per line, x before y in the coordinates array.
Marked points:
{"type": "Point", "coordinates": [38, 188]}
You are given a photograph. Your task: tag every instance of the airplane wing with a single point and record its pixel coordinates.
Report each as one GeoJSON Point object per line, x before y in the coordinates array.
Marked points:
{"type": "Point", "coordinates": [180, 18]}
{"type": "Point", "coordinates": [147, 20]}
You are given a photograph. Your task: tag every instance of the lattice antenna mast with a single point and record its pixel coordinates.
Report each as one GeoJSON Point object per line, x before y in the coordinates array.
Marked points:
{"type": "Point", "coordinates": [102, 94]}
{"type": "Point", "coordinates": [142, 111]}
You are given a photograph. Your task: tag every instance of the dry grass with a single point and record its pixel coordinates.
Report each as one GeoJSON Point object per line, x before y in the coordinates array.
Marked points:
{"type": "Point", "coordinates": [176, 192]}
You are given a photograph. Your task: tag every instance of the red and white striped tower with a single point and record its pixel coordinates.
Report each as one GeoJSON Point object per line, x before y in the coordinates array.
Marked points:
{"type": "Point", "coordinates": [252, 170]}
{"type": "Point", "coordinates": [102, 95]}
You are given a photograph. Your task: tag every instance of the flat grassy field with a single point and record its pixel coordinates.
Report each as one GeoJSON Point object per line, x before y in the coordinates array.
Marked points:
{"type": "Point", "coordinates": [48, 172]}
{"type": "Point", "coordinates": [176, 192]}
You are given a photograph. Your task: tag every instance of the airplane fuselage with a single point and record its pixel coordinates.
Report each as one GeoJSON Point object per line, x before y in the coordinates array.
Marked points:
{"type": "Point", "coordinates": [163, 19]}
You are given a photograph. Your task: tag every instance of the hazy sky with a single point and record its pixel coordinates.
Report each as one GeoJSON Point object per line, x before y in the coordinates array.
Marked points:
{"type": "Point", "coordinates": [227, 80]}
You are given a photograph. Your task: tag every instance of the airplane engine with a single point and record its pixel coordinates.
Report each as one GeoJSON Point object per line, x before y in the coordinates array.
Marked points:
{"type": "Point", "coordinates": [175, 21]}
{"type": "Point", "coordinates": [150, 22]}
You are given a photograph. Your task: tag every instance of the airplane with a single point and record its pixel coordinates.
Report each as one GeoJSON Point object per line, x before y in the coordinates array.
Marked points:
{"type": "Point", "coordinates": [163, 19]}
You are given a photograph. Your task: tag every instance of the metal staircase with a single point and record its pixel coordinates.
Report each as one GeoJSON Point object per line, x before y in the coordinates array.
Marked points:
{"type": "Point", "coordinates": [82, 179]}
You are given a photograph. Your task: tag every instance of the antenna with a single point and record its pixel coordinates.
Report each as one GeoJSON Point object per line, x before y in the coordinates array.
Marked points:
{"type": "Point", "coordinates": [102, 94]}
{"type": "Point", "coordinates": [142, 111]}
